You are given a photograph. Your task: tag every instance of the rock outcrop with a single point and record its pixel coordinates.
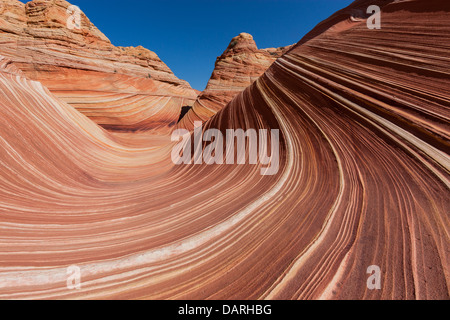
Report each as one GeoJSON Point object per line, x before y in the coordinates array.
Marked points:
{"type": "Point", "coordinates": [237, 68]}
{"type": "Point", "coordinates": [125, 89]}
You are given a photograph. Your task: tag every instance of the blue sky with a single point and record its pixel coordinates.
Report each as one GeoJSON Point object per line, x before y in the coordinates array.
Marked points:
{"type": "Point", "coordinates": [189, 35]}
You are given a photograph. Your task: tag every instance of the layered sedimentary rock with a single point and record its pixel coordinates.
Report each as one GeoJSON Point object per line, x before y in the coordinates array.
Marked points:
{"type": "Point", "coordinates": [364, 180]}
{"type": "Point", "coordinates": [126, 89]}
{"type": "Point", "coordinates": [237, 68]}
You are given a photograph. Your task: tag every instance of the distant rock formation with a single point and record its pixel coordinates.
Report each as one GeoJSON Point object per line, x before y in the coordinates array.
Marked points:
{"type": "Point", "coordinates": [237, 68]}
{"type": "Point", "coordinates": [125, 89]}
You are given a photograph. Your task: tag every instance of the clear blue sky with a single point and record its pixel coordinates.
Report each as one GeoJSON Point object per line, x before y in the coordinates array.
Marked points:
{"type": "Point", "coordinates": [189, 35]}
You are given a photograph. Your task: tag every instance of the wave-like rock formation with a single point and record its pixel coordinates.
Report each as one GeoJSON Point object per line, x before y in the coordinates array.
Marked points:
{"type": "Point", "coordinates": [364, 181]}
{"type": "Point", "coordinates": [241, 64]}
{"type": "Point", "coordinates": [125, 89]}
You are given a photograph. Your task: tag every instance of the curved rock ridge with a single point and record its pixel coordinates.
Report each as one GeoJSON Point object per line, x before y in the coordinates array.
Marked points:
{"type": "Point", "coordinates": [363, 183]}
{"type": "Point", "coordinates": [237, 68]}
{"type": "Point", "coordinates": [125, 89]}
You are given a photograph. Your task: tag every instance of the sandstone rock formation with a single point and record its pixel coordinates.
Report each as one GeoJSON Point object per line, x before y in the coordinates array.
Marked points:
{"type": "Point", "coordinates": [119, 88]}
{"type": "Point", "coordinates": [237, 68]}
{"type": "Point", "coordinates": [364, 180]}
